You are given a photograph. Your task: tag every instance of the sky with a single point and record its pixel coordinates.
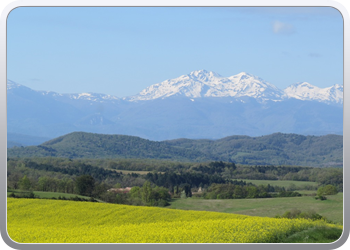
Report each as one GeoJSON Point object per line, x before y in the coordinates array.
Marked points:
{"type": "Point", "coordinates": [122, 50]}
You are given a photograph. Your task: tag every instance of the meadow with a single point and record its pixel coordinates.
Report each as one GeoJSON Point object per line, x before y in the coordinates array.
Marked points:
{"type": "Point", "coordinates": [57, 221]}
{"type": "Point", "coordinates": [283, 183]}
{"type": "Point", "coordinates": [239, 212]}
{"type": "Point", "coordinates": [332, 208]}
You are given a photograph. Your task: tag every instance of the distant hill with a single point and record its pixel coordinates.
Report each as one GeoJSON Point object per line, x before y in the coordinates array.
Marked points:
{"type": "Point", "coordinates": [18, 140]}
{"type": "Point", "coordinates": [89, 145]}
{"type": "Point", "coordinates": [277, 149]}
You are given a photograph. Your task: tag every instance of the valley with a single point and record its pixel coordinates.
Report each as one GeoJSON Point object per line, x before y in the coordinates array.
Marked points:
{"type": "Point", "coordinates": [189, 150]}
{"type": "Point", "coordinates": [86, 169]}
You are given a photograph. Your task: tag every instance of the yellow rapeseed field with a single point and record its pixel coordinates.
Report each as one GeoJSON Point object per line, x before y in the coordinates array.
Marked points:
{"type": "Point", "coordinates": [57, 221]}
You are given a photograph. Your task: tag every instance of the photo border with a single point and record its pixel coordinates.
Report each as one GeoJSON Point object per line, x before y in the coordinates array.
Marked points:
{"type": "Point", "coordinates": [172, 3]}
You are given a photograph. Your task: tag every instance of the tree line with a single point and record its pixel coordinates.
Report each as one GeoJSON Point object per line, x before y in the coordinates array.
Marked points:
{"type": "Point", "coordinates": [246, 190]}
{"type": "Point", "coordinates": [216, 179]}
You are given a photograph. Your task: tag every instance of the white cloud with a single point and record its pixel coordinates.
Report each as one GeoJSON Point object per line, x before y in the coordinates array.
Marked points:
{"type": "Point", "coordinates": [283, 28]}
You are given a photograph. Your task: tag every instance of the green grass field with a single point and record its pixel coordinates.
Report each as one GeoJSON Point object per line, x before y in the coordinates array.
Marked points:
{"type": "Point", "coordinates": [283, 183]}
{"type": "Point", "coordinates": [314, 235]}
{"type": "Point", "coordinates": [332, 208]}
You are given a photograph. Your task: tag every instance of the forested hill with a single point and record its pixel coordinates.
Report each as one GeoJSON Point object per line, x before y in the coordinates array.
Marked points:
{"type": "Point", "coordinates": [89, 145]}
{"type": "Point", "coordinates": [276, 149]}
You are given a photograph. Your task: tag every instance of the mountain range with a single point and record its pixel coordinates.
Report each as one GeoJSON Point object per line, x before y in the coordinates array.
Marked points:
{"type": "Point", "coordinates": [201, 104]}
{"type": "Point", "coordinates": [276, 149]}
{"type": "Point", "coordinates": [204, 83]}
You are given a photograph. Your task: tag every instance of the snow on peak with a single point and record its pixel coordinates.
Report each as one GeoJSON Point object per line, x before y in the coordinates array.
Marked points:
{"type": "Point", "coordinates": [244, 74]}
{"type": "Point", "coordinates": [203, 74]}
{"type": "Point", "coordinates": [92, 97]}
{"type": "Point", "coordinates": [307, 91]}
{"type": "Point", "coordinates": [203, 83]}
{"type": "Point", "coordinates": [12, 85]}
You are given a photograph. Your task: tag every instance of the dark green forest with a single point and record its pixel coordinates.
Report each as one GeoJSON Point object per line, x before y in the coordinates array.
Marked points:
{"type": "Point", "coordinates": [131, 170]}
{"type": "Point", "coordinates": [274, 149]}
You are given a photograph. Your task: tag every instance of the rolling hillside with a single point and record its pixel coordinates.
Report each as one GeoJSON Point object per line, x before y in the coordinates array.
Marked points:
{"type": "Point", "coordinates": [277, 149]}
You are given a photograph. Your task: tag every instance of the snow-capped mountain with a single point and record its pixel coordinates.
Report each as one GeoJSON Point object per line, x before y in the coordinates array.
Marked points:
{"type": "Point", "coordinates": [12, 85]}
{"type": "Point", "coordinates": [204, 83]}
{"type": "Point", "coordinates": [94, 97]}
{"type": "Point", "coordinates": [203, 104]}
{"type": "Point", "coordinates": [306, 91]}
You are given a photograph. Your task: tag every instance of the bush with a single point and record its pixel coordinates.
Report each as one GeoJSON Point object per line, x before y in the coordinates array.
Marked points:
{"type": "Point", "coordinates": [327, 190]}
{"type": "Point", "coordinates": [161, 203]}
{"type": "Point", "coordinates": [12, 195]}
{"type": "Point", "coordinates": [296, 213]}
{"type": "Point", "coordinates": [23, 195]}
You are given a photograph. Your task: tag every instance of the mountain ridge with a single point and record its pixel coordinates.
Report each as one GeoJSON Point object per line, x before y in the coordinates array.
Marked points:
{"type": "Point", "coordinates": [273, 149]}
{"type": "Point", "coordinates": [200, 108]}
{"type": "Point", "coordinates": [203, 83]}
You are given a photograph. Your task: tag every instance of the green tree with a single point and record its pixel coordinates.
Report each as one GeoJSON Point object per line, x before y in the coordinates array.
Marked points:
{"type": "Point", "coordinates": [25, 183]}
{"type": "Point", "coordinates": [146, 192]}
{"type": "Point", "coordinates": [187, 189]}
{"type": "Point", "coordinates": [238, 192]}
{"type": "Point", "coordinates": [252, 192]}
{"type": "Point", "coordinates": [327, 190]}
{"type": "Point", "coordinates": [135, 192]}
{"type": "Point", "coordinates": [117, 185]}
{"type": "Point", "coordinates": [13, 180]}
{"type": "Point", "coordinates": [70, 186]}
{"type": "Point", "coordinates": [85, 185]}
{"type": "Point", "coordinates": [43, 183]}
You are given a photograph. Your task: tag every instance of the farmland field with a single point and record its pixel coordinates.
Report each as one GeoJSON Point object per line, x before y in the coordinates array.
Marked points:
{"type": "Point", "coordinates": [282, 183]}
{"type": "Point", "coordinates": [332, 208]}
{"type": "Point", "coordinates": [39, 221]}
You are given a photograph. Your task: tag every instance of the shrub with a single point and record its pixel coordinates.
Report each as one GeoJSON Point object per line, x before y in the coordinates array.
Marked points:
{"type": "Point", "coordinates": [296, 213]}
{"type": "Point", "coordinates": [327, 190]}
{"type": "Point", "coordinates": [321, 197]}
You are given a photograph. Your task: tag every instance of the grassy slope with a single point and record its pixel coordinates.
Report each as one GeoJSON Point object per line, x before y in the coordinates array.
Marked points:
{"type": "Point", "coordinates": [283, 183]}
{"type": "Point", "coordinates": [314, 235]}
{"type": "Point", "coordinates": [332, 208]}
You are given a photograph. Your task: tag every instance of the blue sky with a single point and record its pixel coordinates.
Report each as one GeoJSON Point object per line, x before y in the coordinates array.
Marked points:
{"type": "Point", "coordinates": [120, 51]}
